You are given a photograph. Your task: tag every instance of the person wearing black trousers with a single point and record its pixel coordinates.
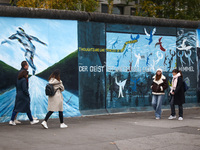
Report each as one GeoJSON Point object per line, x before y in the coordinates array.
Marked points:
{"type": "Point", "coordinates": [55, 103]}
{"type": "Point", "coordinates": [177, 94]}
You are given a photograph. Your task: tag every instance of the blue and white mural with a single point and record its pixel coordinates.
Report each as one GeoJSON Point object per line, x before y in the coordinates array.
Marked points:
{"type": "Point", "coordinates": [129, 73]}
{"type": "Point", "coordinates": [46, 45]}
{"type": "Point", "coordinates": [147, 54]}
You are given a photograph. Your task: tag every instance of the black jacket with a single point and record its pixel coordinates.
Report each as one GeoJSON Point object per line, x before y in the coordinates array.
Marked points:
{"type": "Point", "coordinates": [179, 94]}
{"type": "Point", "coordinates": [22, 102]}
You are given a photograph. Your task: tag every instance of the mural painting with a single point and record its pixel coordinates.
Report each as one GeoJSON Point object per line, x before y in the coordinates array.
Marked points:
{"type": "Point", "coordinates": [129, 73]}
{"type": "Point", "coordinates": [41, 42]}
{"type": "Point", "coordinates": [186, 46]}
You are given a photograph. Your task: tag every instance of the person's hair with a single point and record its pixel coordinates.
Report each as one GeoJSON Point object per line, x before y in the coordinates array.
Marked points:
{"type": "Point", "coordinates": [177, 71]}
{"type": "Point", "coordinates": [23, 64]}
{"type": "Point", "coordinates": [158, 76]}
{"type": "Point", "coordinates": [22, 74]}
{"type": "Point", "coordinates": [55, 74]}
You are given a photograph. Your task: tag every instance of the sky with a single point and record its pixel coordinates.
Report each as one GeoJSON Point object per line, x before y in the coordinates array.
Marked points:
{"type": "Point", "coordinates": [141, 47]}
{"type": "Point", "coordinates": [59, 35]}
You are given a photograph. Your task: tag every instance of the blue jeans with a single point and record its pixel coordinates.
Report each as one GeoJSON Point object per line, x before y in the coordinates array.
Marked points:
{"type": "Point", "coordinates": [157, 104]}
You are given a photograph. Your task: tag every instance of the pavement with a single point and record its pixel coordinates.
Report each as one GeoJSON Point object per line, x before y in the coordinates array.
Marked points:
{"type": "Point", "coordinates": [128, 131]}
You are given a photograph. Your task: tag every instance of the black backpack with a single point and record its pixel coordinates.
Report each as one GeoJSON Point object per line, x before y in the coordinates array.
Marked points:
{"type": "Point", "coordinates": [49, 90]}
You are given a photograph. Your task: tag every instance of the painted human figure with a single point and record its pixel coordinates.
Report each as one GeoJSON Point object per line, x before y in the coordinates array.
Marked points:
{"type": "Point", "coordinates": [138, 60]}
{"type": "Point", "coordinates": [181, 58]}
{"type": "Point", "coordinates": [159, 56]}
{"type": "Point", "coordinates": [118, 59]}
{"type": "Point", "coordinates": [121, 86]}
{"type": "Point", "coordinates": [26, 41]}
{"type": "Point", "coordinates": [171, 59]}
{"type": "Point", "coordinates": [188, 56]}
{"type": "Point", "coordinates": [130, 64]}
{"type": "Point", "coordinates": [164, 63]}
{"type": "Point", "coordinates": [114, 44]}
{"type": "Point", "coordinates": [147, 62]}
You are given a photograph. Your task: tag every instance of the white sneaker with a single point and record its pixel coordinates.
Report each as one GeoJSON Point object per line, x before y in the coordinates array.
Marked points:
{"type": "Point", "coordinates": [180, 118]}
{"type": "Point", "coordinates": [12, 123]}
{"type": "Point", "coordinates": [62, 125]}
{"type": "Point", "coordinates": [17, 121]}
{"type": "Point", "coordinates": [172, 117]}
{"type": "Point", "coordinates": [34, 122]}
{"type": "Point", "coordinates": [157, 118]}
{"type": "Point", "coordinates": [44, 124]}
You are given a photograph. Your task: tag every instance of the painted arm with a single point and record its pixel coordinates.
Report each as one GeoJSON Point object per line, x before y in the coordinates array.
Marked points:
{"type": "Point", "coordinates": [12, 37]}
{"type": "Point", "coordinates": [116, 81]}
{"type": "Point", "coordinates": [37, 40]}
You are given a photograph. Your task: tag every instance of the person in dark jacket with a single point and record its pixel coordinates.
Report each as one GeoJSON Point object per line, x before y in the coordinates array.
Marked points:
{"type": "Point", "coordinates": [177, 94]}
{"type": "Point", "coordinates": [158, 87]}
{"type": "Point", "coordinates": [22, 102]}
{"type": "Point", "coordinates": [24, 66]}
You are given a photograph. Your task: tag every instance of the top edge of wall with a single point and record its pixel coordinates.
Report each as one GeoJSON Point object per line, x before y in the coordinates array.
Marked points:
{"type": "Point", "coordinates": [10, 11]}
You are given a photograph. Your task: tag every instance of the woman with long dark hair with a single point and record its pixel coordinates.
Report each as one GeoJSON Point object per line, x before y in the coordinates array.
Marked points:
{"type": "Point", "coordinates": [159, 86]}
{"type": "Point", "coordinates": [22, 102]}
{"type": "Point", "coordinates": [177, 94]}
{"type": "Point", "coordinates": [55, 103]}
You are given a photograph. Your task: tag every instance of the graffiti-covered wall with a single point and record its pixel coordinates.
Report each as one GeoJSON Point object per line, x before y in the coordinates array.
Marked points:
{"type": "Point", "coordinates": [117, 62]}
{"type": "Point", "coordinates": [106, 61]}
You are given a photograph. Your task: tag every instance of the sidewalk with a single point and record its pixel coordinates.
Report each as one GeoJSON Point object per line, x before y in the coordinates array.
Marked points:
{"type": "Point", "coordinates": [131, 131]}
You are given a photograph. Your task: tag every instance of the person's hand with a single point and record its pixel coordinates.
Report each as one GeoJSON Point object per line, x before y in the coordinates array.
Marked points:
{"type": "Point", "coordinates": [172, 93]}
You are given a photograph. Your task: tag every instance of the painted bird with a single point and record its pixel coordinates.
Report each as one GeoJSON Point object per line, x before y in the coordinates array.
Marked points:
{"type": "Point", "coordinates": [160, 43]}
{"type": "Point", "coordinates": [152, 32]}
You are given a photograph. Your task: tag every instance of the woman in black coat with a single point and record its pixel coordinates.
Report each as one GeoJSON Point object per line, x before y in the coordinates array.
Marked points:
{"type": "Point", "coordinates": [177, 94]}
{"type": "Point", "coordinates": [22, 102]}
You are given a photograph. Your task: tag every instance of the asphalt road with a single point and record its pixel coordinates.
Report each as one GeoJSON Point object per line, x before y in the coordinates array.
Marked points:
{"type": "Point", "coordinates": [129, 131]}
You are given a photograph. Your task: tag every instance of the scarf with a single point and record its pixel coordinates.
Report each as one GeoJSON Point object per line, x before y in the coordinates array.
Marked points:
{"type": "Point", "coordinates": [174, 81]}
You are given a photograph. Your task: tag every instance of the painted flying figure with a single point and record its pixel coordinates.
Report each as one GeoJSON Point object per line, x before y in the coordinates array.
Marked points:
{"type": "Point", "coordinates": [181, 58]}
{"type": "Point", "coordinates": [160, 43]}
{"type": "Point", "coordinates": [26, 41]}
{"type": "Point", "coordinates": [152, 32]}
{"type": "Point", "coordinates": [147, 62]}
{"type": "Point", "coordinates": [171, 60]}
{"type": "Point", "coordinates": [118, 59]}
{"type": "Point", "coordinates": [121, 86]}
{"type": "Point", "coordinates": [188, 56]}
{"type": "Point", "coordinates": [135, 38]}
{"type": "Point", "coordinates": [114, 44]}
{"type": "Point", "coordinates": [138, 59]}
{"type": "Point", "coordinates": [183, 46]}
{"type": "Point", "coordinates": [130, 65]}
{"type": "Point", "coordinates": [165, 60]}
{"type": "Point", "coordinates": [159, 56]}
{"type": "Point", "coordinates": [125, 51]}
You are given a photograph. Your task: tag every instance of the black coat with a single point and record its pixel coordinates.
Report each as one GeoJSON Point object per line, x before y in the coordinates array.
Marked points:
{"type": "Point", "coordinates": [22, 102]}
{"type": "Point", "coordinates": [179, 94]}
